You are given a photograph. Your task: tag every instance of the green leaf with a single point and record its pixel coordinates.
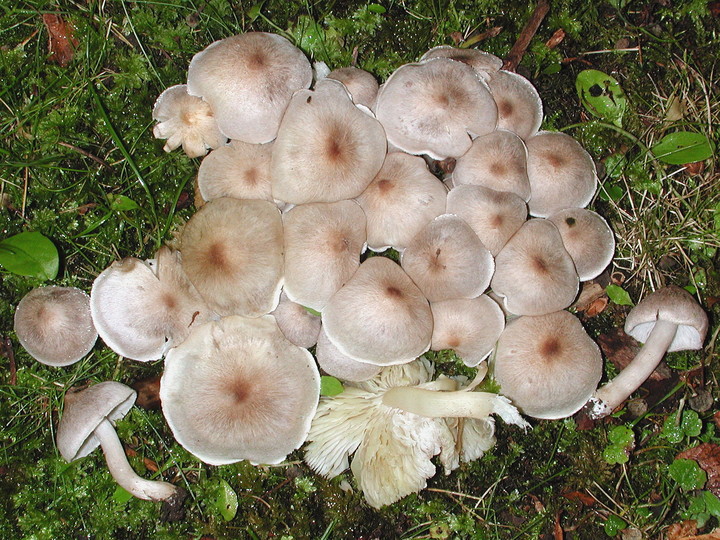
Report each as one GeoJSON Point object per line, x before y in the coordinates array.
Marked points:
{"type": "Point", "coordinates": [688, 474]}
{"type": "Point", "coordinates": [376, 8]}
{"type": "Point", "coordinates": [712, 503]}
{"type": "Point", "coordinates": [30, 254]}
{"type": "Point", "coordinates": [618, 295]}
{"type": "Point", "coordinates": [121, 495]}
{"type": "Point", "coordinates": [614, 524]}
{"type": "Point", "coordinates": [330, 386]}
{"type": "Point", "coordinates": [690, 425]}
{"type": "Point", "coordinates": [254, 12]}
{"type": "Point", "coordinates": [622, 441]}
{"type": "Point", "coordinates": [601, 95]}
{"type": "Point", "coordinates": [226, 501]}
{"type": "Point", "coordinates": [311, 311]}
{"type": "Point", "coordinates": [121, 203]}
{"type": "Point", "coordinates": [682, 147]}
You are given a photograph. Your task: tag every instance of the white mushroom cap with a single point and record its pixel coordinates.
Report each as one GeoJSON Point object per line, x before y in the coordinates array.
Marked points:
{"type": "Point", "coordinates": [447, 260]}
{"type": "Point", "coordinates": [379, 316]}
{"type": "Point", "coordinates": [323, 243]}
{"type": "Point", "coordinates": [248, 80]}
{"type": "Point", "coordinates": [494, 215]}
{"type": "Point", "coordinates": [587, 238]}
{"type": "Point", "coordinates": [240, 170]}
{"type": "Point", "coordinates": [54, 325]}
{"type": "Point", "coordinates": [232, 252]}
{"type": "Point", "coordinates": [482, 62]}
{"type": "Point", "coordinates": [185, 120]}
{"type": "Point", "coordinates": [547, 365]}
{"type": "Point", "coordinates": [533, 272]}
{"type": "Point", "coordinates": [296, 323]}
{"type": "Point", "coordinates": [361, 84]}
{"type": "Point", "coordinates": [253, 392]}
{"type": "Point", "coordinates": [497, 161]}
{"type": "Point", "coordinates": [327, 149]}
{"type": "Point", "coordinates": [400, 201]}
{"type": "Point", "coordinates": [519, 105]}
{"type": "Point", "coordinates": [339, 365]}
{"type": "Point", "coordinates": [561, 172]}
{"type": "Point", "coordinates": [435, 107]}
{"type": "Point", "coordinates": [470, 327]}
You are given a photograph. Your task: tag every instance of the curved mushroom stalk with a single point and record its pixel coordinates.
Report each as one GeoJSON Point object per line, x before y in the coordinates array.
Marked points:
{"type": "Point", "coordinates": [457, 404]}
{"type": "Point", "coordinates": [612, 394]}
{"type": "Point", "coordinates": [123, 473]}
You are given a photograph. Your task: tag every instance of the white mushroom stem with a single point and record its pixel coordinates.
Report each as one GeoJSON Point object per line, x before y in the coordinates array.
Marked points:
{"type": "Point", "coordinates": [123, 473]}
{"type": "Point", "coordinates": [458, 404]}
{"type": "Point", "coordinates": [610, 396]}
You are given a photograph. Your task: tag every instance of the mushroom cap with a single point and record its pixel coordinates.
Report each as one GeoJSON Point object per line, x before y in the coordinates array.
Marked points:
{"type": "Point", "coordinates": [327, 149]}
{"type": "Point", "coordinates": [446, 260]}
{"type": "Point", "coordinates": [519, 105]}
{"type": "Point", "coordinates": [238, 389]}
{"type": "Point", "coordinates": [561, 172]}
{"type": "Point", "coordinates": [239, 170]}
{"type": "Point", "coordinates": [547, 364]}
{"type": "Point", "coordinates": [494, 215]}
{"type": "Point", "coordinates": [323, 244]}
{"type": "Point", "coordinates": [232, 252]}
{"type": "Point", "coordinates": [497, 161]}
{"type": "Point", "coordinates": [339, 365]}
{"type": "Point", "coordinates": [482, 62]}
{"type": "Point", "coordinates": [400, 201]}
{"type": "Point", "coordinates": [379, 316]}
{"type": "Point", "coordinates": [185, 120]}
{"type": "Point", "coordinates": [54, 325]}
{"type": "Point", "coordinates": [675, 305]}
{"type": "Point", "coordinates": [533, 272]}
{"type": "Point", "coordinates": [587, 238]}
{"type": "Point", "coordinates": [435, 107]}
{"type": "Point", "coordinates": [361, 84]}
{"type": "Point", "coordinates": [296, 323]}
{"type": "Point", "coordinates": [468, 326]}
{"type": "Point", "coordinates": [248, 80]}
{"type": "Point", "coordinates": [84, 410]}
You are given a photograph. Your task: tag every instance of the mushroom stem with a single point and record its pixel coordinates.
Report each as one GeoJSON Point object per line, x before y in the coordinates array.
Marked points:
{"type": "Point", "coordinates": [612, 394]}
{"type": "Point", "coordinates": [457, 404]}
{"type": "Point", "coordinates": [123, 473]}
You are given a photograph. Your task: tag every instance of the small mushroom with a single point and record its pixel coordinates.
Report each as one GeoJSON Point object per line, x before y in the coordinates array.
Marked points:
{"type": "Point", "coordinates": [519, 105]}
{"type": "Point", "coordinates": [54, 325]}
{"type": "Point", "coordinates": [88, 421]}
{"type": "Point", "coordinates": [361, 84]}
{"type": "Point", "coordinates": [667, 320]}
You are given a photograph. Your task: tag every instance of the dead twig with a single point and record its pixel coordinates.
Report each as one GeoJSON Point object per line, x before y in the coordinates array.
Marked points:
{"type": "Point", "coordinates": [512, 61]}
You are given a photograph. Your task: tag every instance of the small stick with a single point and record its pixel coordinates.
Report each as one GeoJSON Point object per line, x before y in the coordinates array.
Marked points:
{"type": "Point", "coordinates": [85, 153]}
{"type": "Point", "coordinates": [6, 349]}
{"type": "Point", "coordinates": [523, 41]}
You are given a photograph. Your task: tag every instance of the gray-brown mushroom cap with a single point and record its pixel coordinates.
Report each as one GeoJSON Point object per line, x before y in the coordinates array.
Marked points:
{"type": "Point", "coordinates": [248, 80]}
{"type": "Point", "coordinates": [379, 316]}
{"type": "Point", "coordinates": [435, 107]}
{"type": "Point", "coordinates": [519, 105]}
{"type": "Point", "coordinates": [255, 393]}
{"type": "Point", "coordinates": [547, 365]}
{"type": "Point", "coordinates": [361, 84]}
{"type": "Point", "coordinates": [54, 325]}
{"type": "Point", "coordinates": [482, 62]}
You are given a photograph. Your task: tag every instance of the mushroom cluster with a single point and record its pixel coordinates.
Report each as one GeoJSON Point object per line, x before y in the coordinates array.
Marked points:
{"type": "Point", "coordinates": [309, 191]}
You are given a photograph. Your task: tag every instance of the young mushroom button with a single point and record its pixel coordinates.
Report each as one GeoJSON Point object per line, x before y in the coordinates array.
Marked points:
{"type": "Point", "coordinates": [88, 421]}
{"type": "Point", "coordinates": [667, 320]}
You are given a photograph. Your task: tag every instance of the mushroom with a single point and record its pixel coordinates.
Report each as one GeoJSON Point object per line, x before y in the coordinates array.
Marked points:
{"type": "Point", "coordinates": [248, 80]}
{"type": "Point", "coordinates": [88, 421]}
{"type": "Point", "coordinates": [185, 120]}
{"type": "Point", "coordinates": [519, 105]}
{"type": "Point", "coordinates": [361, 84]}
{"type": "Point", "coordinates": [255, 393]}
{"type": "Point", "coordinates": [296, 322]}
{"type": "Point", "coordinates": [54, 325]}
{"type": "Point", "coordinates": [435, 107]}
{"type": "Point", "coordinates": [482, 62]}
{"type": "Point", "coordinates": [667, 320]}
{"type": "Point", "coordinates": [339, 365]}
{"type": "Point", "coordinates": [547, 364]}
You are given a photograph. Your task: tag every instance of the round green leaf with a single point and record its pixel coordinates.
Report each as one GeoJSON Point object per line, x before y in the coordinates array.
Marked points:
{"type": "Point", "coordinates": [226, 501]}
{"type": "Point", "coordinates": [682, 147]}
{"type": "Point", "coordinates": [614, 524]}
{"type": "Point", "coordinates": [618, 295]}
{"type": "Point", "coordinates": [330, 386]}
{"type": "Point", "coordinates": [30, 254]}
{"type": "Point", "coordinates": [601, 95]}
{"type": "Point", "coordinates": [688, 474]}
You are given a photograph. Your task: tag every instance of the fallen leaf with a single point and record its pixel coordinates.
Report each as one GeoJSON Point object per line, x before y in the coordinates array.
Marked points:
{"type": "Point", "coordinates": [148, 391]}
{"type": "Point", "coordinates": [686, 528]}
{"type": "Point", "coordinates": [714, 8]}
{"type": "Point", "coordinates": [697, 167]}
{"type": "Point", "coordinates": [620, 349]}
{"type": "Point", "coordinates": [558, 533]}
{"type": "Point", "coordinates": [578, 496]}
{"type": "Point", "coordinates": [555, 39]}
{"type": "Point", "coordinates": [707, 456]}
{"type": "Point", "coordinates": [61, 40]}
{"type": "Point", "coordinates": [589, 292]}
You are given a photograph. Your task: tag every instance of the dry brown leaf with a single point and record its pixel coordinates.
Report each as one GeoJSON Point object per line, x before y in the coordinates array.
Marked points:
{"type": "Point", "coordinates": [148, 393]}
{"type": "Point", "coordinates": [61, 40]}
{"type": "Point", "coordinates": [583, 498]}
{"type": "Point", "coordinates": [714, 8]}
{"type": "Point", "coordinates": [558, 532]}
{"type": "Point", "coordinates": [555, 39]}
{"type": "Point", "coordinates": [686, 528]}
{"type": "Point", "coordinates": [707, 456]}
{"type": "Point", "coordinates": [621, 349]}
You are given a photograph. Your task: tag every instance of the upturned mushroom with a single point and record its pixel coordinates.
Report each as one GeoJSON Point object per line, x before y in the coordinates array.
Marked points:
{"type": "Point", "coordinates": [667, 320]}
{"type": "Point", "coordinates": [54, 325]}
{"type": "Point", "coordinates": [88, 421]}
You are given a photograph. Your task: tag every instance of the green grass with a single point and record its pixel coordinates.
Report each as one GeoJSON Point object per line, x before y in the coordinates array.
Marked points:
{"type": "Point", "coordinates": [74, 138]}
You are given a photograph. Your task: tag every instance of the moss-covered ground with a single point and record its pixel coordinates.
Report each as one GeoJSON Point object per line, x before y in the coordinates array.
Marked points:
{"type": "Point", "coordinates": [79, 164]}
